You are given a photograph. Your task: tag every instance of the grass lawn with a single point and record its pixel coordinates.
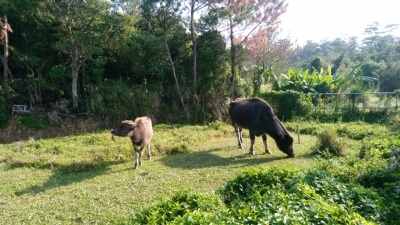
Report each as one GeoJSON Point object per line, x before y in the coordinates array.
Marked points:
{"type": "Point", "coordinates": [80, 179]}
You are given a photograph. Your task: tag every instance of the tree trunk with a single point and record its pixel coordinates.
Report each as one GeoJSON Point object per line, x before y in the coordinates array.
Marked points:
{"type": "Point", "coordinates": [5, 60]}
{"type": "Point", "coordinates": [194, 53]}
{"type": "Point", "coordinates": [74, 86]}
{"type": "Point", "coordinates": [233, 58]}
{"type": "Point", "coordinates": [173, 72]}
{"type": "Point", "coordinates": [176, 80]}
{"type": "Point", "coordinates": [75, 71]}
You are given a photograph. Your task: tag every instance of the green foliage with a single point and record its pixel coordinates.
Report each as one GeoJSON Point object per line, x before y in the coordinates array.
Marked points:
{"type": "Point", "coordinates": [272, 196]}
{"type": "Point", "coordinates": [115, 101]}
{"type": "Point", "coordinates": [375, 165]}
{"type": "Point", "coordinates": [262, 76]}
{"type": "Point", "coordinates": [216, 124]}
{"type": "Point", "coordinates": [303, 81]}
{"type": "Point", "coordinates": [289, 104]}
{"type": "Point", "coordinates": [353, 130]}
{"type": "Point", "coordinates": [376, 54]}
{"type": "Point", "coordinates": [33, 121]}
{"type": "Point", "coordinates": [376, 174]}
{"type": "Point", "coordinates": [385, 147]}
{"type": "Point", "coordinates": [350, 115]}
{"type": "Point", "coordinates": [329, 144]}
{"type": "Point", "coordinates": [390, 78]}
{"type": "Point", "coordinates": [251, 182]}
{"type": "Point", "coordinates": [184, 207]}
{"type": "Point", "coordinates": [316, 64]}
{"type": "Point", "coordinates": [355, 81]}
{"type": "Point", "coordinates": [60, 77]}
{"type": "Point", "coordinates": [320, 82]}
{"type": "Point", "coordinates": [113, 48]}
{"type": "Point", "coordinates": [3, 114]}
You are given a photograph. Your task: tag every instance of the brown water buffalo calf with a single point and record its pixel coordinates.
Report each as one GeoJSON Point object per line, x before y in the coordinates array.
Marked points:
{"type": "Point", "coordinates": [140, 131]}
{"type": "Point", "coordinates": [258, 117]}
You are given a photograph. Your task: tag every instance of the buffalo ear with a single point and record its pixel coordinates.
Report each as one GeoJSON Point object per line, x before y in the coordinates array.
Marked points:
{"type": "Point", "coordinates": [133, 126]}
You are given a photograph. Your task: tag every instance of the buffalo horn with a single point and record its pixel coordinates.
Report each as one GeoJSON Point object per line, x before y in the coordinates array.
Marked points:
{"type": "Point", "coordinates": [283, 127]}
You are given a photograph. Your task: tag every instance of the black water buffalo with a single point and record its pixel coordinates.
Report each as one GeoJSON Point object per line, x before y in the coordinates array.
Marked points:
{"type": "Point", "coordinates": [140, 131]}
{"type": "Point", "coordinates": [256, 115]}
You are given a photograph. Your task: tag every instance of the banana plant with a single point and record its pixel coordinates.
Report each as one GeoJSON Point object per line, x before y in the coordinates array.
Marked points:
{"type": "Point", "coordinates": [324, 82]}
{"type": "Point", "coordinates": [303, 81]}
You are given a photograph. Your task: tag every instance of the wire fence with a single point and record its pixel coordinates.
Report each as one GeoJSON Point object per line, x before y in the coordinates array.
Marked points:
{"type": "Point", "coordinates": [363, 101]}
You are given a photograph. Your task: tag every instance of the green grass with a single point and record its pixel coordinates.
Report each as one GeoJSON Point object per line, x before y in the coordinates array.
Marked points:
{"type": "Point", "coordinates": [88, 178]}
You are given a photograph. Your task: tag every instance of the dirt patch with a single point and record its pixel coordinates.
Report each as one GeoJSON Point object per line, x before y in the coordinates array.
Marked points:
{"type": "Point", "coordinates": [16, 131]}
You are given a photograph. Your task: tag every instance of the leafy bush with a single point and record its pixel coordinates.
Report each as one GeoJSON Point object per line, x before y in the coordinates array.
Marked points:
{"type": "Point", "coordinates": [271, 196]}
{"type": "Point", "coordinates": [3, 115]}
{"type": "Point", "coordinates": [185, 207]}
{"type": "Point", "coordinates": [33, 122]}
{"type": "Point", "coordinates": [216, 124]}
{"type": "Point", "coordinates": [306, 82]}
{"type": "Point", "coordinates": [329, 144]}
{"type": "Point", "coordinates": [376, 166]}
{"type": "Point", "coordinates": [349, 115]}
{"type": "Point", "coordinates": [384, 146]}
{"type": "Point", "coordinates": [246, 184]}
{"type": "Point", "coordinates": [288, 104]}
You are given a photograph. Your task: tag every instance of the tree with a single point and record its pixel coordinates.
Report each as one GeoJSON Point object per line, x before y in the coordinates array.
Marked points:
{"type": "Point", "coordinates": [166, 24]}
{"type": "Point", "coordinates": [242, 19]}
{"type": "Point", "coordinates": [5, 28]}
{"type": "Point", "coordinates": [87, 26]}
{"type": "Point", "coordinates": [266, 53]}
{"type": "Point", "coordinates": [316, 64]}
{"type": "Point", "coordinates": [390, 80]}
{"type": "Point", "coordinates": [195, 6]}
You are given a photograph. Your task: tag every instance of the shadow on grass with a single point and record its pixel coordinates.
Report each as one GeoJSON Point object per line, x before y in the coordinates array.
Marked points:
{"type": "Point", "coordinates": [68, 174]}
{"type": "Point", "coordinates": [206, 159]}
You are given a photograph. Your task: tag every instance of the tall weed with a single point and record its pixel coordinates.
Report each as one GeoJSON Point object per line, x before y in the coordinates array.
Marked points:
{"type": "Point", "coordinates": [329, 144]}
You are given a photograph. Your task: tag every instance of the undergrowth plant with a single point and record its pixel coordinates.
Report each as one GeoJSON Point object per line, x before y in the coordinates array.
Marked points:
{"type": "Point", "coordinates": [329, 144]}
{"type": "Point", "coordinates": [33, 121]}
{"type": "Point", "coordinates": [272, 196]}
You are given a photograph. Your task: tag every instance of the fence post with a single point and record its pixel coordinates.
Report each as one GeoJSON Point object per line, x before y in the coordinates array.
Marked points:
{"type": "Point", "coordinates": [298, 133]}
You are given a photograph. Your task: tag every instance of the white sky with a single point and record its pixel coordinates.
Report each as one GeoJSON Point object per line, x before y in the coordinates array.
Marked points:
{"type": "Point", "coordinates": [318, 20]}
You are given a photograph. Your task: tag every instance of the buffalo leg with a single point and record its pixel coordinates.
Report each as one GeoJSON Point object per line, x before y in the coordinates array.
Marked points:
{"type": "Point", "coordinates": [148, 151]}
{"type": "Point", "coordinates": [241, 137]}
{"type": "Point", "coordinates": [252, 140]}
{"type": "Point", "coordinates": [264, 137]}
{"type": "Point", "coordinates": [239, 134]}
{"type": "Point", "coordinates": [138, 156]}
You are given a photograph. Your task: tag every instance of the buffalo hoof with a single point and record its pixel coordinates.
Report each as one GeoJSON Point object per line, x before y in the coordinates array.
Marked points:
{"type": "Point", "coordinates": [251, 153]}
{"type": "Point", "coordinates": [291, 156]}
{"type": "Point", "coordinates": [268, 152]}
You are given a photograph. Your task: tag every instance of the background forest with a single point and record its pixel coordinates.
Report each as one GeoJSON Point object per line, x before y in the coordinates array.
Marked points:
{"type": "Point", "coordinates": [173, 60]}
